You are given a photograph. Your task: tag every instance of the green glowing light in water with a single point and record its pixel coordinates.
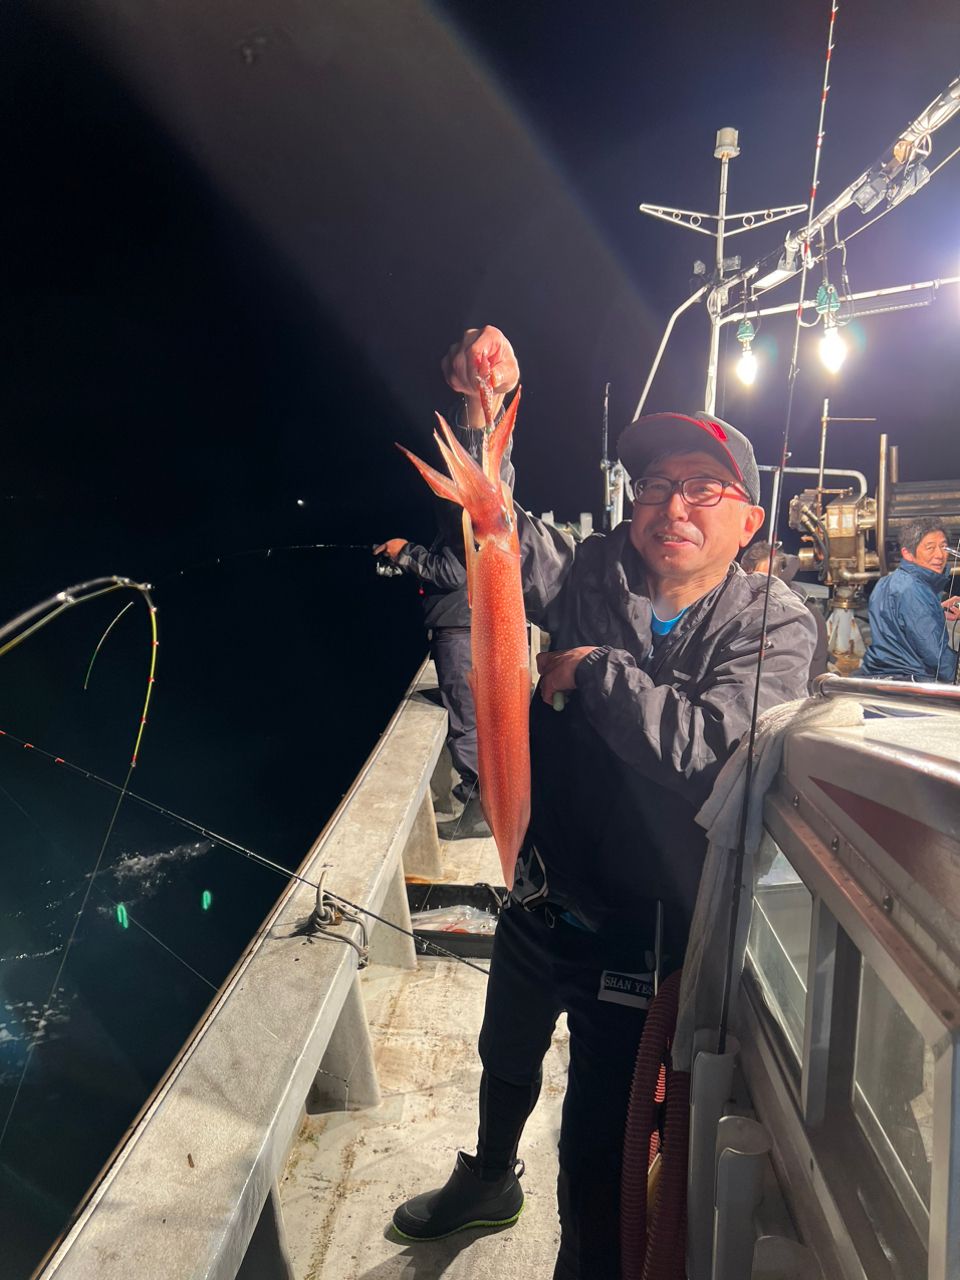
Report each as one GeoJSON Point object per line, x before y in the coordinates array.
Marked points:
{"type": "Point", "coordinates": [206, 900]}
{"type": "Point", "coordinates": [122, 918]}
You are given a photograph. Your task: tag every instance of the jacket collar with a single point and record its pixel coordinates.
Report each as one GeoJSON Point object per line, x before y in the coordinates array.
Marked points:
{"type": "Point", "coordinates": [936, 580]}
{"type": "Point", "coordinates": [626, 568]}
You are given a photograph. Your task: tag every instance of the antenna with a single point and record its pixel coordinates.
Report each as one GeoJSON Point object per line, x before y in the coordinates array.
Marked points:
{"type": "Point", "coordinates": [727, 148]}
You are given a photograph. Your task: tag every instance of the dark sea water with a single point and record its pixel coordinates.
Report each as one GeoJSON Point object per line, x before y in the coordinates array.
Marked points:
{"type": "Point", "coordinates": [275, 679]}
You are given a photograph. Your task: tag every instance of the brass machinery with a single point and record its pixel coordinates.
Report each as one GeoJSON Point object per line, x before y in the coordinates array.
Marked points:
{"type": "Point", "coordinates": [851, 539]}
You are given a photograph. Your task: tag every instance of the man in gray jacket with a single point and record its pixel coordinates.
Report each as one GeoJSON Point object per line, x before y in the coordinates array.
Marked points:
{"type": "Point", "coordinates": [655, 635]}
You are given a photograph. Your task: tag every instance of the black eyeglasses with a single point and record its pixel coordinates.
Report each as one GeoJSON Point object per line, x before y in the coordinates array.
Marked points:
{"type": "Point", "coordinates": [696, 491]}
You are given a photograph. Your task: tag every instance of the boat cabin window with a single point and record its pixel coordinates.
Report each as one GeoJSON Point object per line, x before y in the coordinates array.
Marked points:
{"type": "Point", "coordinates": [778, 945]}
{"type": "Point", "coordinates": [893, 1093]}
{"type": "Point", "coordinates": [845, 1068]}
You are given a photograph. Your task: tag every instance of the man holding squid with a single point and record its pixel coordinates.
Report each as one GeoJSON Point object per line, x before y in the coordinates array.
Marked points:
{"type": "Point", "coordinates": [655, 632]}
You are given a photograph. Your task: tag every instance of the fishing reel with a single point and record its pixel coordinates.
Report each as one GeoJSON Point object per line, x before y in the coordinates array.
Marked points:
{"type": "Point", "coordinates": [384, 567]}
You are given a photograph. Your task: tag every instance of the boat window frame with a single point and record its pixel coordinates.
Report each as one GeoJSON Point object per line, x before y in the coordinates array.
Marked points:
{"type": "Point", "coordinates": [847, 924]}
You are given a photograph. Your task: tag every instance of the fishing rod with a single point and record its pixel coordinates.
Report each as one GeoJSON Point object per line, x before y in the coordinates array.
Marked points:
{"type": "Point", "coordinates": [26, 624]}
{"type": "Point", "coordinates": [383, 568]}
{"type": "Point", "coordinates": [14, 633]}
{"type": "Point", "coordinates": [233, 845]}
{"type": "Point", "coordinates": [266, 552]}
{"type": "Point", "coordinates": [740, 857]}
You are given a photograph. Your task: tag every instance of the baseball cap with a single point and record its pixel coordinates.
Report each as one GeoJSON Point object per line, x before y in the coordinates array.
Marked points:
{"type": "Point", "coordinates": [660, 433]}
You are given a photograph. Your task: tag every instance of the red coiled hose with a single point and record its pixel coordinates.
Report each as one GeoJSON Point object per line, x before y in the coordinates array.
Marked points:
{"type": "Point", "coordinates": [657, 1254]}
{"type": "Point", "coordinates": [666, 1237]}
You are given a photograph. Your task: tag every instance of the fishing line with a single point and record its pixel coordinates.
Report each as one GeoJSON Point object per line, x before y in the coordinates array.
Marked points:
{"type": "Point", "coordinates": [473, 787]}
{"type": "Point", "coordinates": [740, 858]}
{"type": "Point", "coordinates": [268, 552]}
{"type": "Point", "coordinates": [159, 941]}
{"type": "Point", "coordinates": [232, 845]}
{"type": "Point", "coordinates": [86, 678]}
{"type": "Point", "coordinates": [29, 817]}
{"type": "Point", "coordinates": [18, 629]}
{"type": "Point", "coordinates": [54, 844]}
{"type": "Point", "coordinates": [115, 905]}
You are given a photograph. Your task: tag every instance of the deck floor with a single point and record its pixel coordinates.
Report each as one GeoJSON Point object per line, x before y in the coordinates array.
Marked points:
{"type": "Point", "coordinates": [349, 1170]}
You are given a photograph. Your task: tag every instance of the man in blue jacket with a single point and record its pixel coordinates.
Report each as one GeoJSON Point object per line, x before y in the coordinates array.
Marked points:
{"type": "Point", "coordinates": [908, 620]}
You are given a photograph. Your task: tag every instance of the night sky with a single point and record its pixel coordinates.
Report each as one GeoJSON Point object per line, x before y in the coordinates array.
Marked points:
{"type": "Point", "coordinates": [237, 239]}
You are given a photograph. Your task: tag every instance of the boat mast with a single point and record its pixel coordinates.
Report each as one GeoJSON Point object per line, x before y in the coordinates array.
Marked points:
{"type": "Point", "coordinates": [717, 286]}
{"type": "Point", "coordinates": [898, 174]}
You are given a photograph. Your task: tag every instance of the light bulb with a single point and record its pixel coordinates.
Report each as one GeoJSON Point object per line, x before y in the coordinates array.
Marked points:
{"type": "Point", "coordinates": [747, 366]}
{"type": "Point", "coordinates": [833, 349]}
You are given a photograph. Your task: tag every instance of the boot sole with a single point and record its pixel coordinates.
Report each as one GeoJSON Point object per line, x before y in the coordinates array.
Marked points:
{"type": "Point", "coordinates": [478, 1222]}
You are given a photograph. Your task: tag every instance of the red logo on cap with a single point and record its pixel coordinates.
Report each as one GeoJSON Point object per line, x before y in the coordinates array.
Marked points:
{"type": "Point", "coordinates": [715, 429]}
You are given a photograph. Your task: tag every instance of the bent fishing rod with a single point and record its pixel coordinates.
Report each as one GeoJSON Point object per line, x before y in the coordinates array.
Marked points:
{"type": "Point", "coordinates": [13, 633]}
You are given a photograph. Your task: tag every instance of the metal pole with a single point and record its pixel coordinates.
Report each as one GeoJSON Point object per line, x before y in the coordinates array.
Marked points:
{"type": "Point", "coordinates": [694, 297]}
{"type": "Point", "coordinates": [942, 109]}
{"type": "Point", "coordinates": [882, 506]}
{"type": "Point", "coordinates": [722, 210]}
{"type": "Point", "coordinates": [860, 478]}
{"type": "Point", "coordinates": [733, 317]}
{"type": "Point", "coordinates": [713, 358]}
{"type": "Point", "coordinates": [726, 149]}
{"type": "Point", "coordinates": [824, 419]}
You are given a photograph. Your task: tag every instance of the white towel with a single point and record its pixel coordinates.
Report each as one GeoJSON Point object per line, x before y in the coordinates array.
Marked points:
{"type": "Point", "coordinates": [701, 989]}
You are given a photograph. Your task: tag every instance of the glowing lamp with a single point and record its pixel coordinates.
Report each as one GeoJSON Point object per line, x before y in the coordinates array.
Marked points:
{"type": "Point", "coordinates": [833, 348]}
{"type": "Point", "coordinates": [747, 367]}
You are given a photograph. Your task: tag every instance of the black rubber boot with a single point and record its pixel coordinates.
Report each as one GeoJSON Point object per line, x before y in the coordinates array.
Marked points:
{"type": "Point", "coordinates": [470, 825]}
{"type": "Point", "coordinates": [466, 1200]}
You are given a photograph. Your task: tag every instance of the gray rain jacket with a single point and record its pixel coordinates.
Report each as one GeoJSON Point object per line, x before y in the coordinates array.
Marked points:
{"type": "Point", "coordinates": [618, 775]}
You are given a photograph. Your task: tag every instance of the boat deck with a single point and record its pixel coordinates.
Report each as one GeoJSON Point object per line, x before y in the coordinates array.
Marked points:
{"type": "Point", "coordinates": [349, 1169]}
